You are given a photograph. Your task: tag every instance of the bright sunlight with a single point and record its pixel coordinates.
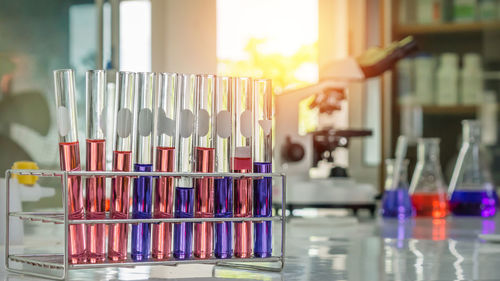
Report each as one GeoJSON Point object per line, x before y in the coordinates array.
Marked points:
{"type": "Point", "coordinates": [275, 39]}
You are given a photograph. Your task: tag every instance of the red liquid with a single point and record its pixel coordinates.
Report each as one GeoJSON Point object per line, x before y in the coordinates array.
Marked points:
{"type": "Point", "coordinates": [242, 200]}
{"type": "Point", "coordinates": [241, 164]}
{"type": "Point", "coordinates": [163, 204]}
{"type": "Point", "coordinates": [69, 154]}
{"type": "Point", "coordinates": [96, 201]}
{"type": "Point", "coordinates": [204, 203]}
{"type": "Point", "coordinates": [119, 207]}
{"type": "Point", "coordinates": [430, 204]}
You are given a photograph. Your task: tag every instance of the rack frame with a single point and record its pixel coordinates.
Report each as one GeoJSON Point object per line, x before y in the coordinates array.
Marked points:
{"type": "Point", "coordinates": [49, 265]}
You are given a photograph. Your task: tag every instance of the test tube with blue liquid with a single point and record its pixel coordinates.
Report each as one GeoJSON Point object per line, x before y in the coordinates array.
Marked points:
{"type": "Point", "coordinates": [262, 163]}
{"type": "Point", "coordinates": [184, 191]}
{"type": "Point", "coordinates": [223, 186]}
{"type": "Point", "coordinates": [143, 185]}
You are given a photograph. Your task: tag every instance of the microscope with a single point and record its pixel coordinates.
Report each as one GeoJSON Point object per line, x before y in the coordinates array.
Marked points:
{"type": "Point", "coordinates": [308, 141]}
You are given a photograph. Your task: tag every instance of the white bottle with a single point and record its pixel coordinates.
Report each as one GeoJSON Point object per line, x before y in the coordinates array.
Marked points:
{"type": "Point", "coordinates": [471, 79]}
{"type": "Point", "coordinates": [424, 80]}
{"type": "Point", "coordinates": [488, 118]}
{"type": "Point", "coordinates": [405, 75]}
{"type": "Point", "coordinates": [447, 80]}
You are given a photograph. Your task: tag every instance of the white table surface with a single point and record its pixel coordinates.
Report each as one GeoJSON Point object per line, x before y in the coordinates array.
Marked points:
{"type": "Point", "coordinates": [338, 249]}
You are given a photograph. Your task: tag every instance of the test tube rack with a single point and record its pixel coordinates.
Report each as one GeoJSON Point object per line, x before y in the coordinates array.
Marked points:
{"type": "Point", "coordinates": [57, 266]}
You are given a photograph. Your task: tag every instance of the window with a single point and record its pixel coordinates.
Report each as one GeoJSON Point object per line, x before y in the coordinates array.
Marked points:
{"type": "Point", "coordinates": [274, 39]}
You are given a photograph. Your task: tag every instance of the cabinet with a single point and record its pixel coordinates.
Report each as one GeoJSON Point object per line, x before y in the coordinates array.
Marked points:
{"type": "Point", "coordinates": [436, 37]}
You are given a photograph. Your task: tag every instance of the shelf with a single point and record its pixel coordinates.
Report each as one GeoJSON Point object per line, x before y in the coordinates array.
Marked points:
{"type": "Point", "coordinates": [449, 110]}
{"type": "Point", "coordinates": [56, 261]}
{"type": "Point", "coordinates": [440, 28]}
{"type": "Point", "coordinates": [58, 218]}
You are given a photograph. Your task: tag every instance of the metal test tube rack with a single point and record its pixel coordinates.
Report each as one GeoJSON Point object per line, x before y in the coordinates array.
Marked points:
{"type": "Point", "coordinates": [56, 266]}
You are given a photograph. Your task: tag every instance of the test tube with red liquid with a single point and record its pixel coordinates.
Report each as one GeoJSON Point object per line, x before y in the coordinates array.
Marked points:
{"type": "Point", "coordinates": [125, 98]}
{"type": "Point", "coordinates": [223, 186]}
{"type": "Point", "coordinates": [165, 115]}
{"type": "Point", "coordinates": [96, 161]}
{"type": "Point", "coordinates": [69, 153]}
{"type": "Point", "coordinates": [143, 186]}
{"type": "Point", "coordinates": [262, 163]}
{"type": "Point", "coordinates": [241, 162]}
{"type": "Point", "coordinates": [183, 232]}
{"type": "Point", "coordinates": [204, 120]}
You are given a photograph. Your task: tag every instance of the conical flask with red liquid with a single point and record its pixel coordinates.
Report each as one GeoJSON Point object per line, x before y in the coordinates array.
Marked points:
{"type": "Point", "coordinates": [428, 190]}
{"type": "Point", "coordinates": [472, 192]}
{"type": "Point", "coordinates": [396, 201]}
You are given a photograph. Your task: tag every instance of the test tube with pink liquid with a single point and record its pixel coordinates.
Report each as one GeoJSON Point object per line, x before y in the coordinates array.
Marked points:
{"type": "Point", "coordinates": [241, 162]}
{"type": "Point", "coordinates": [96, 161]}
{"type": "Point", "coordinates": [69, 152]}
{"type": "Point", "coordinates": [163, 205]}
{"type": "Point", "coordinates": [125, 99]}
{"type": "Point", "coordinates": [204, 159]}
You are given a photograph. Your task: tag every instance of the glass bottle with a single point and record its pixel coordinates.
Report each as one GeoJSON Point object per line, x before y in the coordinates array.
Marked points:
{"type": "Point", "coordinates": [427, 189]}
{"type": "Point", "coordinates": [396, 201]}
{"type": "Point", "coordinates": [471, 187]}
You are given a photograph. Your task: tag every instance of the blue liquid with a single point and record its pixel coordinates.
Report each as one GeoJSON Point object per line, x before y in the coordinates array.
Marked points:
{"type": "Point", "coordinates": [473, 203]}
{"type": "Point", "coordinates": [141, 209]}
{"type": "Point", "coordinates": [183, 232]}
{"type": "Point", "coordinates": [223, 209]}
{"type": "Point", "coordinates": [262, 207]}
{"type": "Point", "coordinates": [397, 204]}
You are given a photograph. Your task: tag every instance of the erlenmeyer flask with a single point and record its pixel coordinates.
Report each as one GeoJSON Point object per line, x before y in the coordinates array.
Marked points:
{"type": "Point", "coordinates": [396, 201]}
{"type": "Point", "coordinates": [427, 189]}
{"type": "Point", "coordinates": [471, 188]}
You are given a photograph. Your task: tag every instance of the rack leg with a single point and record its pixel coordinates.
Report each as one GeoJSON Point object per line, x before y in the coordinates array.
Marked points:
{"type": "Point", "coordinates": [251, 266]}
{"type": "Point", "coordinates": [283, 219]}
{"type": "Point", "coordinates": [7, 218]}
{"type": "Point", "coordinates": [66, 225]}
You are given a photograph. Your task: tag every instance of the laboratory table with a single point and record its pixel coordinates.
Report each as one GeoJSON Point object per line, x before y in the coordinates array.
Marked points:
{"type": "Point", "coordinates": [340, 248]}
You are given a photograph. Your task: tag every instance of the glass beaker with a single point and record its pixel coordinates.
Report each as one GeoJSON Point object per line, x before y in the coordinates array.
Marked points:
{"type": "Point", "coordinates": [427, 188]}
{"type": "Point", "coordinates": [471, 187]}
{"type": "Point", "coordinates": [396, 201]}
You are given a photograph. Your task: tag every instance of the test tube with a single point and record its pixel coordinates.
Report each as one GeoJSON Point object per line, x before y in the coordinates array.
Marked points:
{"type": "Point", "coordinates": [96, 161]}
{"type": "Point", "coordinates": [241, 162]}
{"type": "Point", "coordinates": [143, 185]}
{"type": "Point", "coordinates": [262, 163]}
{"type": "Point", "coordinates": [183, 232]}
{"type": "Point", "coordinates": [204, 120]}
{"type": "Point", "coordinates": [165, 116]}
{"type": "Point", "coordinates": [69, 153]}
{"type": "Point", "coordinates": [223, 193]}
{"type": "Point", "coordinates": [125, 98]}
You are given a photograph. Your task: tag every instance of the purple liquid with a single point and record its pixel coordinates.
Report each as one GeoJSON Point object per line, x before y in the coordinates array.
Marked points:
{"type": "Point", "coordinates": [183, 232]}
{"type": "Point", "coordinates": [262, 207]}
{"type": "Point", "coordinates": [397, 204]}
{"type": "Point", "coordinates": [473, 203]}
{"type": "Point", "coordinates": [223, 206]}
{"type": "Point", "coordinates": [141, 209]}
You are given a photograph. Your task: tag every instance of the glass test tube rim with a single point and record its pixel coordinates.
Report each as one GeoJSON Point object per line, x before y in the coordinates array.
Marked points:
{"type": "Point", "coordinates": [60, 95]}
{"type": "Point", "coordinates": [97, 95]}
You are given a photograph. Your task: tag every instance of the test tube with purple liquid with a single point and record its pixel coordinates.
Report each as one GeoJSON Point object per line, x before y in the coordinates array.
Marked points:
{"type": "Point", "coordinates": [262, 163]}
{"type": "Point", "coordinates": [223, 186]}
{"type": "Point", "coordinates": [143, 185]}
{"type": "Point", "coordinates": [183, 232]}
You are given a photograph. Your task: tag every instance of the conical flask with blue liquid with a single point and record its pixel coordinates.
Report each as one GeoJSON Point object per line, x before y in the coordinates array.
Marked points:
{"type": "Point", "coordinates": [472, 192]}
{"type": "Point", "coordinates": [396, 202]}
